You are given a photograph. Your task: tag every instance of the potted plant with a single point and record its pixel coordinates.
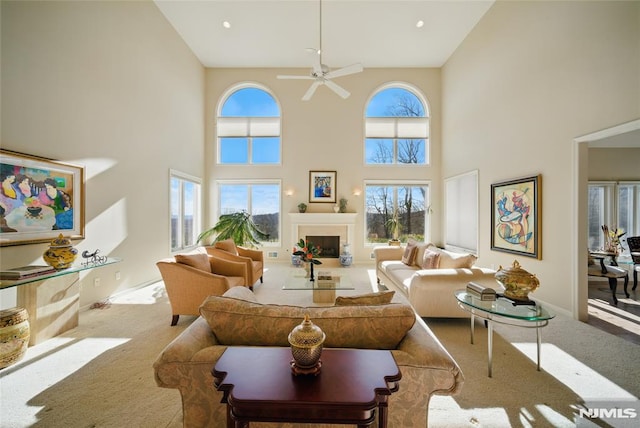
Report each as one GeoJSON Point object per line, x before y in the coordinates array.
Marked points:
{"type": "Point", "coordinates": [238, 226]}
{"type": "Point", "coordinates": [343, 205]}
{"type": "Point", "coordinates": [393, 223]}
{"type": "Point", "coordinates": [302, 207]}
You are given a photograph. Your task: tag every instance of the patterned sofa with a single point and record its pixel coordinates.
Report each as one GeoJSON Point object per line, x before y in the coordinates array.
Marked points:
{"type": "Point", "coordinates": [237, 319]}
{"type": "Point", "coordinates": [428, 276]}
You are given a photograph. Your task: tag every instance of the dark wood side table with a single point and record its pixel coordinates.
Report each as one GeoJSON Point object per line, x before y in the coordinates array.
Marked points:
{"type": "Point", "coordinates": [258, 386]}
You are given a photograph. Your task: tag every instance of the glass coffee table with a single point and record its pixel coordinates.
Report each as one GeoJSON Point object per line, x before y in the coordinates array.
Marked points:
{"type": "Point", "coordinates": [324, 287]}
{"type": "Point", "coordinates": [504, 311]}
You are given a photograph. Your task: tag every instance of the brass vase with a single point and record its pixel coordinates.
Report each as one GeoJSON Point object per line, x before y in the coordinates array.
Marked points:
{"type": "Point", "coordinates": [306, 342]}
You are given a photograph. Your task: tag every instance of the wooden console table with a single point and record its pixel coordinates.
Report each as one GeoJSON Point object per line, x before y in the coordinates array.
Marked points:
{"type": "Point", "coordinates": [52, 300]}
{"type": "Point", "coordinates": [258, 386]}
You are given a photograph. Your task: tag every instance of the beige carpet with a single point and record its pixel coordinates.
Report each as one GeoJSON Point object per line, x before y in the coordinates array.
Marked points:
{"type": "Point", "coordinates": [99, 374]}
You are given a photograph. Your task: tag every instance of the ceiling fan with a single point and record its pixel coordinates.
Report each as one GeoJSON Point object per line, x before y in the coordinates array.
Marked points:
{"type": "Point", "coordinates": [321, 74]}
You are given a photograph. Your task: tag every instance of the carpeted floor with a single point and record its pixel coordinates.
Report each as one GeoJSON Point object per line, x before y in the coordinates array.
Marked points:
{"type": "Point", "coordinates": [100, 373]}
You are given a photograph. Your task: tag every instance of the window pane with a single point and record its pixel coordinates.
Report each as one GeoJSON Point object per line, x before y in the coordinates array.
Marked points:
{"type": "Point", "coordinates": [265, 209]}
{"type": "Point", "coordinates": [250, 102]}
{"type": "Point", "coordinates": [378, 151]}
{"type": "Point", "coordinates": [411, 151]}
{"type": "Point", "coordinates": [234, 198]}
{"type": "Point", "coordinates": [234, 150]}
{"type": "Point", "coordinates": [175, 213]}
{"type": "Point", "coordinates": [185, 212]}
{"type": "Point", "coordinates": [188, 230]}
{"type": "Point", "coordinates": [266, 151]}
{"type": "Point", "coordinates": [393, 102]}
{"type": "Point", "coordinates": [596, 217]}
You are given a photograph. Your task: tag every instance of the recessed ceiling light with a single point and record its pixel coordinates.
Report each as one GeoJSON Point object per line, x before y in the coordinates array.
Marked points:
{"type": "Point", "coordinates": [226, 24]}
{"type": "Point", "coordinates": [420, 24]}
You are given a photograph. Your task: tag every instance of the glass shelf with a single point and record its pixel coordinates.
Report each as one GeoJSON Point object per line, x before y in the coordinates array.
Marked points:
{"type": "Point", "coordinates": [73, 269]}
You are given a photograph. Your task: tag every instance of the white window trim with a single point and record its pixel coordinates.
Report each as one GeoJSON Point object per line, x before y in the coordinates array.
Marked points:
{"type": "Point", "coordinates": [197, 224]}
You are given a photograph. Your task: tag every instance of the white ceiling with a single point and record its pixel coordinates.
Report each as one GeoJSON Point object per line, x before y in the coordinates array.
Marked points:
{"type": "Point", "coordinates": [375, 33]}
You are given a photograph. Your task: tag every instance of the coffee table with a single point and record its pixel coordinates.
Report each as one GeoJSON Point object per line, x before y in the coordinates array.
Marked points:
{"type": "Point", "coordinates": [352, 385]}
{"type": "Point", "coordinates": [504, 311]}
{"type": "Point", "coordinates": [324, 287]}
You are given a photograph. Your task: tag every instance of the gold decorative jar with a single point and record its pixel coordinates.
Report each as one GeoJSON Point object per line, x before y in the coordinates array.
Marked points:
{"type": "Point", "coordinates": [517, 282]}
{"type": "Point", "coordinates": [14, 335]}
{"type": "Point", "coordinates": [60, 254]}
{"type": "Point", "coordinates": [306, 342]}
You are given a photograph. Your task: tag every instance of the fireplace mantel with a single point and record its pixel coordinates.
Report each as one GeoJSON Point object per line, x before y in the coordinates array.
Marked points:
{"type": "Point", "coordinates": [344, 222]}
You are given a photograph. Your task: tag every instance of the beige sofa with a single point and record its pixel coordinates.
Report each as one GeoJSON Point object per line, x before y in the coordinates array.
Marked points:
{"type": "Point", "coordinates": [430, 276]}
{"type": "Point", "coordinates": [236, 319]}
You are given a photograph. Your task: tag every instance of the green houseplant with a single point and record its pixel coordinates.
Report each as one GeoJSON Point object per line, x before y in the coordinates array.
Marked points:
{"type": "Point", "coordinates": [238, 226]}
{"type": "Point", "coordinates": [393, 223]}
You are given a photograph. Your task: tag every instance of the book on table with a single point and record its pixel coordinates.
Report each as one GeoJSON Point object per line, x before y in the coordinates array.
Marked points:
{"type": "Point", "coordinates": [23, 272]}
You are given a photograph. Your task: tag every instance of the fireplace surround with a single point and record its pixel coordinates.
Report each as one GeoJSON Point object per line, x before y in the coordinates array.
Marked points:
{"type": "Point", "coordinates": [339, 225]}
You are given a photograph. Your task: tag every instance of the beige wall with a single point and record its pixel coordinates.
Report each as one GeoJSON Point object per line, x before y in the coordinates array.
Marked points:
{"type": "Point", "coordinates": [111, 86]}
{"type": "Point", "coordinates": [325, 133]}
{"type": "Point", "coordinates": [530, 78]}
{"type": "Point", "coordinates": [614, 164]}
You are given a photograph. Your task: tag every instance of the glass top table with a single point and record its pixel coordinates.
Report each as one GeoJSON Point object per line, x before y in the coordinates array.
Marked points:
{"type": "Point", "coordinates": [504, 311]}
{"type": "Point", "coordinates": [5, 283]}
{"type": "Point", "coordinates": [324, 287]}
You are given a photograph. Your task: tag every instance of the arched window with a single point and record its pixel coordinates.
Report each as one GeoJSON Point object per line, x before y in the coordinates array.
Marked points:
{"type": "Point", "coordinates": [396, 127]}
{"type": "Point", "coordinates": [248, 127]}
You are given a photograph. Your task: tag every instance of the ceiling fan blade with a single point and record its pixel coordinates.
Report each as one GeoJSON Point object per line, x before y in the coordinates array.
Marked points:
{"type": "Point", "coordinates": [344, 71]}
{"type": "Point", "coordinates": [312, 89]}
{"type": "Point", "coordinates": [337, 89]}
{"type": "Point", "coordinates": [287, 76]}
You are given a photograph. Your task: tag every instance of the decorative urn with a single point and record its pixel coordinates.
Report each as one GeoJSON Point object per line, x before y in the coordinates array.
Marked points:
{"type": "Point", "coordinates": [306, 342]}
{"type": "Point", "coordinates": [60, 254]}
{"type": "Point", "coordinates": [517, 282]}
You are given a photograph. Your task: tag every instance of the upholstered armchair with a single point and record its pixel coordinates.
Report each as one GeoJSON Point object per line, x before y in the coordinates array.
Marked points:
{"type": "Point", "coordinates": [634, 248]}
{"type": "Point", "coordinates": [253, 259]}
{"type": "Point", "coordinates": [190, 278]}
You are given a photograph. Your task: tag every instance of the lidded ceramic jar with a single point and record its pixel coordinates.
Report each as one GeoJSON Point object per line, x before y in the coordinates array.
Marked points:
{"type": "Point", "coordinates": [60, 254]}
{"type": "Point", "coordinates": [306, 342]}
{"type": "Point", "coordinates": [14, 335]}
{"type": "Point", "coordinates": [517, 282]}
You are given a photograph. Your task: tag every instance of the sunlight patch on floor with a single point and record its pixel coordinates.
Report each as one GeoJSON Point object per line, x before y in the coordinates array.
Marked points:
{"type": "Point", "coordinates": [581, 379]}
{"type": "Point", "coordinates": [611, 314]}
{"type": "Point", "coordinates": [148, 295]}
{"type": "Point", "coordinates": [50, 363]}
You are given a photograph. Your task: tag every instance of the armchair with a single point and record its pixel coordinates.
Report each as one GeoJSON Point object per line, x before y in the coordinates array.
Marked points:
{"type": "Point", "coordinates": [253, 259]}
{"type": "Point", "coordinates": [190, 278]}
{"type": "Point", "coordinates": [634, 249]}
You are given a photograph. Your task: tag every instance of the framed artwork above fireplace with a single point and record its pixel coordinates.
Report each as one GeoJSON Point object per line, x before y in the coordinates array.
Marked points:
{"type": "Point", "coordinates": [322, 186]}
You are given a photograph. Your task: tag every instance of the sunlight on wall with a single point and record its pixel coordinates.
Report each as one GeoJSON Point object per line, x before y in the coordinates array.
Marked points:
{"type": "Point", "coordinates": [65, 354]}
{"type": "Point", "coordinates": [94, 166]}
{"type": "Point", "coordinates": [583, 380]}
{"type": "Point", "coordinates": [109, 227]}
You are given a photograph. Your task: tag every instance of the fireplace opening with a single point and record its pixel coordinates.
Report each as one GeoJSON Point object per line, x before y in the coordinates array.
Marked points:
{"type": "Point", "coordinates": [330, 245]}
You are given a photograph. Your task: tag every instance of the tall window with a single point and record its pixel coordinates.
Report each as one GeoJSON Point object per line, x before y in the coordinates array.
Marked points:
{"type": "Point", "coordinates": [248, 128]}
{"type": "Point", "coordinates": [185, 210]}
{"type": "Point", "coordinates": [408, 201]}
{"type": "Point", "coordinates": [396, 128]}
{"type": "Point", "coordinates": [616, 205]}
{"type": "Point", "coordinates": [260, 198]}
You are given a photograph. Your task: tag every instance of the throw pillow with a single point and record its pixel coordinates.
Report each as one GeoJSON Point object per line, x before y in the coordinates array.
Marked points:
{"type": "Point", "coordinates": [430, 259]}
{"type": "Point", "coordinates": [227, 245]}
{"type": "Point", "coordinates": [199, 261]}
{"type": "Point", "coordinates": [379, 298]}
{"type": "Point", "coordinates": [409, 253]}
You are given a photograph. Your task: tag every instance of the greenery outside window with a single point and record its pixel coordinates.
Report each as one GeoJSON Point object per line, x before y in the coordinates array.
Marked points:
{"type": "Point", "coordinates": [260, 198]}
{"type": "Point", "coordinates": [185, 206]}
{"type": "Point", "coordinates": [396, 127]}
{"type": "Point", "coordinates": [248, 127]}
{"type": "Point", "coordinates": [409, 199]}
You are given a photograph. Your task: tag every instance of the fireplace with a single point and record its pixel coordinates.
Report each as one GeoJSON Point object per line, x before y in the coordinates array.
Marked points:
{"type": "Point", "coordinates": [330, 245]}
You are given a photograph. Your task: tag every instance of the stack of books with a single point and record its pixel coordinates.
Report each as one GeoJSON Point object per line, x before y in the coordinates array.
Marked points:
{"type": "Point", "coordinates": [23, 272]}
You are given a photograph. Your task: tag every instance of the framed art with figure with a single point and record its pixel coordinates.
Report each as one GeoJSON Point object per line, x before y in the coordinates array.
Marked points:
{"type": "Point", "coordinates": [40, 199]}
{"type": "Point", "coordinates": [322, 186]}
{"type": "Point", "coordinates": [515, 216]}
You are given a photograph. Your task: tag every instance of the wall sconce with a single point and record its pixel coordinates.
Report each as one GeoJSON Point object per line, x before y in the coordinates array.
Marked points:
{"type": "Point", "coordinates": [357, 192]}
{"type": "Point", "coordinates": [289, 192]}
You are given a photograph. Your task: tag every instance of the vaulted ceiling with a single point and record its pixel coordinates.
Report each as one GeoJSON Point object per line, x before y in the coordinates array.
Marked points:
{"type": "Point", "coordinates": [378, 33]}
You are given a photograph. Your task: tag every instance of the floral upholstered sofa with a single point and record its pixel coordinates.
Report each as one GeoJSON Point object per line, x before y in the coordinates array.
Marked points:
{"type": "Point", "coordinates": [428, 276]}
{"type": "Point", "coordinates": [237, 319]}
